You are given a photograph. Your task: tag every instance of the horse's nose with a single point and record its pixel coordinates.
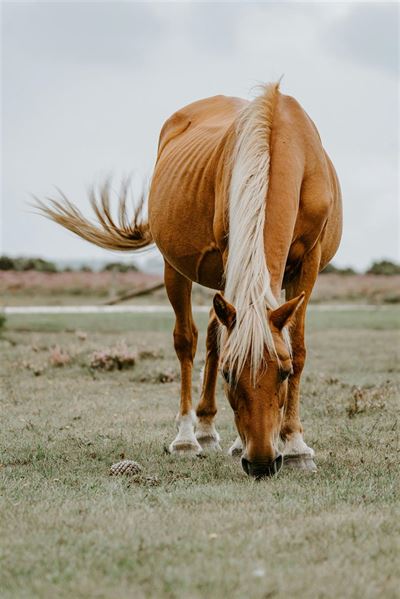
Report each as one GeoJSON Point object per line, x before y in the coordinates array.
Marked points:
{"type": "Point", "coordinates": [261, 469]}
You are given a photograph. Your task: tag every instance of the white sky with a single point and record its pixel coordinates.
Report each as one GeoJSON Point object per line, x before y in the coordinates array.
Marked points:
{"type": "Point", "coordinates": [86, 87]}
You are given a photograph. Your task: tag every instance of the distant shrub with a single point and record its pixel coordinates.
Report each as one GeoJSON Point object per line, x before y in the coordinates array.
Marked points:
{"type": "Point", "coordinates": [85, 268]}
{"type": "Point", "coordinates": [391, 298]}
{"type": "Point", "coordinates": [332, 269]}
{"type": "Point", "coordinates": [2, 321]}
{"type": "Point", "coordinates": [6, 263]}
{"type": "Point", "coordinates": [24, 264]}
{"type": "Point", "coordinates": [116, 358]}
{"type": "Point", "coordinates": [37, 264]}
{"type": "Point", "coordinates": [384, 267]}
{"type": "Point", "coordinates": [120, 267]}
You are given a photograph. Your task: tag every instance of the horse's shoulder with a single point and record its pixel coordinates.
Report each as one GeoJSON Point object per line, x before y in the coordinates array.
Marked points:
{"type": "Point", "coordinates": [289, 112]}
{"type": "Point", "coordinates": [299, 132]}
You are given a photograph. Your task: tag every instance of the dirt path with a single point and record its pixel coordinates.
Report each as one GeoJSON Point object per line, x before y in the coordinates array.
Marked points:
{"type": "Point", "coordinates": [154, 309]}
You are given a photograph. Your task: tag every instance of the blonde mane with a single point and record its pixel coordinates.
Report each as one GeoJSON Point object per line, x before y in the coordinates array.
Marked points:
{"type": "Point", "coordinates": [247, 280]}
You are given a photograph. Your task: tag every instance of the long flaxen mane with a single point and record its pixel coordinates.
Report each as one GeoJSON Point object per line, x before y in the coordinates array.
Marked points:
{"type": "Point", "coordinates": [247, 280]}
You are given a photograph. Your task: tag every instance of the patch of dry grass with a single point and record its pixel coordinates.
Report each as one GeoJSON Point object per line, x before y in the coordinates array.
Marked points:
{"type": "Point", "coordinates": [116, 358]}
{"type": "Point", "coordinates": [194, 527]}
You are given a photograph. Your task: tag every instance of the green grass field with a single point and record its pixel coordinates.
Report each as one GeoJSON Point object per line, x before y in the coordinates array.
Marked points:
{"type": "Point", "coordinates": [193, 528]}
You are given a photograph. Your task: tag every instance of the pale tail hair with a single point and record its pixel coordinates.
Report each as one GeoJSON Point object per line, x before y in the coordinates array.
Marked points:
{"type": "Point", "coordinates": [124, 234]}
{"type": "Point", "coordinates": [247, 280]}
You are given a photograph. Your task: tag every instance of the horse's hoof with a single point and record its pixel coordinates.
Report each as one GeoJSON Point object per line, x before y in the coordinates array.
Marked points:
{"type": "Point", "coordinates": [236, 449]}
{"type": "Point", "coordinates": [185, 448]}
{"type": "Point", "coordinates": [301, 461]}
{"type": "Point", "coordinates": [209, 443]}
{"type": "Point", "coordinates": [208, 438]}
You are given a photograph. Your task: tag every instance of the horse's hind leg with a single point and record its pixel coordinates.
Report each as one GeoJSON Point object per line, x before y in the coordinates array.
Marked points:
{"type": "Point", "coordinates": [206, 432]}
{"type": "Point", "coordinates": [185, 341]}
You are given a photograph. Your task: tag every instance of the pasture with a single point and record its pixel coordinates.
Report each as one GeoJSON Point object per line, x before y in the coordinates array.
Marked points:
{"type": "Point", "coordinates": [193, 527]}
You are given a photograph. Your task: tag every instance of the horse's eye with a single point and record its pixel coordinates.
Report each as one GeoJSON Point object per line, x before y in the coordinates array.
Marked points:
{"type": "Point", "coordinates": [283, 374]}
{"type": "Point", "coordinates": [226, 375]}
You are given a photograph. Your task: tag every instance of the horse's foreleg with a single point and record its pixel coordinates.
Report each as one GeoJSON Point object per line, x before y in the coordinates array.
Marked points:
{"type": "Point", "coordinates": [296, 451]}
{"type": "Point", "coordinates": [185, 341]}
{"type": "Point", "coordinates": [206, 432]}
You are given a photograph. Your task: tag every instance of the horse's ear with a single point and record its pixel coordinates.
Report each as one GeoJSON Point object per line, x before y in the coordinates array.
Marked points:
{"type": "Point", "coordinates": [225, 312]}
{"type": "Point", "coordinates": [282, 316]}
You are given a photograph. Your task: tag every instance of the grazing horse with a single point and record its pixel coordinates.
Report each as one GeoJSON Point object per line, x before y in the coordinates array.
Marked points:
{"type": "Point", "coordinates": [244, 200]}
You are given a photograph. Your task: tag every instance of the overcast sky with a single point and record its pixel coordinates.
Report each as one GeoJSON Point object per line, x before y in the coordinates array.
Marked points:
{"type": "Point", "coordinates": [86, 87]}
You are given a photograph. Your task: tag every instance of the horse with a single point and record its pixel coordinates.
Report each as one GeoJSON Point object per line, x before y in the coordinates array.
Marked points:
{"type": "Point", "coordinates": [243, 200]}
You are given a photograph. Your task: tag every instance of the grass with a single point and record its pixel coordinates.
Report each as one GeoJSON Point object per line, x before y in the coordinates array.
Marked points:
{"type": "Point", "coordinates": [193, 527]}
{"type": "Point", "coordinates": [380, 317]}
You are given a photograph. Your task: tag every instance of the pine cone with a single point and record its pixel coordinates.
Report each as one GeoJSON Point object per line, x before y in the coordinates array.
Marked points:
{"type": "Point", "coordinates": [127, 467]}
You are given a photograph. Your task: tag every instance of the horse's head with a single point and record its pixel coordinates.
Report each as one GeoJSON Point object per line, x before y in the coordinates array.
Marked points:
{"type": "Point", "coordinates": [259, 405]}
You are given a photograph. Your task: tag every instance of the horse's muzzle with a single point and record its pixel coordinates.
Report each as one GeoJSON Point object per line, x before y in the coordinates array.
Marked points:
{"type": "Point", "coordinates": [262, 469]}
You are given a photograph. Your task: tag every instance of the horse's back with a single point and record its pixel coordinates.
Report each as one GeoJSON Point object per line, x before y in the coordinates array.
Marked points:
{"type": "Point", "coordinates": [182, 194]}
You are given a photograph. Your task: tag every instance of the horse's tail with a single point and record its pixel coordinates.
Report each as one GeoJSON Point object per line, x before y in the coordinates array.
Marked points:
{"type": "Point", "coordinates": [125, 234]}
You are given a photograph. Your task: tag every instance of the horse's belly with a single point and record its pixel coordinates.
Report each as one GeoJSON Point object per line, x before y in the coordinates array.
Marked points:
{"type": "Point", "coordinates": [182, 227]}
{"type": "Point", "coordinates": [188, 246]}
{"type": "Point", "coordinates": [205, 268]}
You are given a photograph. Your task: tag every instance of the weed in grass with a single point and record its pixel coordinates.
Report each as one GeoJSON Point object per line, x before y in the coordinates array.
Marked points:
{"type": "Point", "coordinates": [59, 357]}
{"type": "Point", "coordinates": [168, 376]}
{"type": "Point", "coordinates": [81, 335]}
{"type": "Point", "coordinates": [117, 358]}
{"type": "Point", "coordinates": [372, 398]}
{"type": "Point", "coordinates": [3, 321]}
{"type": "Point", "coordinates": [151, 354]}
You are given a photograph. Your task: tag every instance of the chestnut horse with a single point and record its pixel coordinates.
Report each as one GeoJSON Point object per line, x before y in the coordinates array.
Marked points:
{"type": "Point", "coordinates": [243, 200]}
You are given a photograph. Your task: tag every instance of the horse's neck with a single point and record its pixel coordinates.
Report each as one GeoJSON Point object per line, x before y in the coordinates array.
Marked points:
{"type": "Point", "coordinates": [222, 211]}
